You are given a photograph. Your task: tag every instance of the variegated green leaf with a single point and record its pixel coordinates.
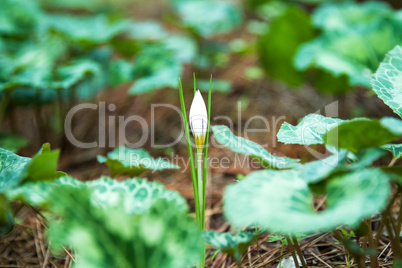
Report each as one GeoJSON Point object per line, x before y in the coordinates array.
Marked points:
{"type": "Point", "coordinates": [387, 81]}
{"type": "Point", "coordinates": [281, 201]}
{"type": "Point", "coordinates": [133, 162]}
{"type": "Point", "coordinates": [243, 146]}
{"type": "Point", "coordinates": [310, 130]}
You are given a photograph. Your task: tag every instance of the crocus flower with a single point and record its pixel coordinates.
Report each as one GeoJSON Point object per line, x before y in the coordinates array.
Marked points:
{"type": "Point", "coordinates": [198, 120]}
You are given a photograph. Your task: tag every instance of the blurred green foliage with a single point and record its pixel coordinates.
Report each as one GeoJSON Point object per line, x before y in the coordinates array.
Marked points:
{"type": "Point", "coordinates": [233, 244]}
{"type": "Point", "coordinates": [279, 44]}
{"type": "Point", "coordinates": [161, 236]}
{"type": "Point", "coordinates": [16, 171]}
{"type": "Point", "coordinates": [47, 50]}
{"type": "Point", "coordinates": [354, 39]}
{"type": "Point", "coordinates": [281, 201]}
{"type": "Point", "coordinates": [339, 47]}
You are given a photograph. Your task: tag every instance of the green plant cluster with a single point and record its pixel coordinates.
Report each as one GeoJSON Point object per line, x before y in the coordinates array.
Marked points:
{"type": "Point", "coordinates": [108, 223]}
{"type": "Point", "coordinates": [47, 53]}
{"type": "Point", "coordinates": [280, 198]}
{"type": "Point", "coordinates": [337, 47]}
{"type": "Point", "coordinates": [58, 53]}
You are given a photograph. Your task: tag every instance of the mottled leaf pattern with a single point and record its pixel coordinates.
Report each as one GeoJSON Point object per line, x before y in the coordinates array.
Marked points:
{"type": "Point", "coordinates": [136, 195]}
{"type": "Point", "coordinates": [310, 130]}
{"type": "Point", "coordinates": [133, 162]}
{"type": "Point", "coordinates": [387, 81]}
{"type": "Point", "coordinates": [281, 201]}
{"type": "Point", "coordinates": [12, 169]}
{"type": "Point", "coordinates": [162, 236]}
{"type": "Point", "coordinates": [395, 149]}
{"type": "Point", "coordinates": [233, 244]}
{"type": "Point", "coordinates": [243, 146]}
{"type": "Point", "coordinates": [353, 40]}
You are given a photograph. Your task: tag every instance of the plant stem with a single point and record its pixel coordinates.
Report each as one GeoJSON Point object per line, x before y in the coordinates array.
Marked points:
{"type": "Point", "coordinates": [290, 245]}
{"type": "Point", "coordinates": [373, 258]}
{"type": "Point", "coordinates": [394, 237]}
{"type": "Point", "coordinates": [392, 162]}
{"type": "Point", "coordinates": [299, 252]}
{"type": "Point", "coordinates": [200, 189]}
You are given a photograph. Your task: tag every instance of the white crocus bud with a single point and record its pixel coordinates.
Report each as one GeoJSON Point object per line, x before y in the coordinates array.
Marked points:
{"type": "Point", "coordinates": [198, 120]}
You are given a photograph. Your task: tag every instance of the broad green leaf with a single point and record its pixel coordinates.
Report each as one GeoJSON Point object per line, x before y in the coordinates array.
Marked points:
{"type": "Point", "coordinates": [43, 166]}
{"type": "Point", "coordinates": [280, 43]}
{"type": "Point", "coordinates": [74, 73]}
{"type": "Point", "coordinates": [136, 195]}
{"type": "Point", "coordinates": [387, 81]}
{"type": "Point", "coordinates": [15, 169]}
{"type": "Point", "coordinates": [233, 244]}
{"type": "Point", "coordinates": [310, 130]}
{"type": "Point", "coordinates": [155, 67]}
{"type": "Point", "coordinates": [18, 17]}
{"type": "Point", "coordinates": [394, 125]}
{"type": "Point", "coordinates": [354, 38]}
{"type": "Point", "coordinates": [183, 48]}
{"type": "Point", "coordinates": [243, 146]}
{"type": "Point", "coordinates": [365, 158]}
{"type": "Point", "coordinates": [147, 30]}
{"type": "Point", "coordinates": [163, 236]}
{"type": "Point", "coordinates": [395, 149]}
{"type": "Point", "coordinates": [32, 65]}
{"type": "Point", "coordinates": [133, 162]}
{"type": "Point", "coordinates": [86, 29]}
{"type": "Point", "coordinates": [318, 170]}
{"type": "Point", "coordinates": [358, 134]}
{"type": "Point", "coordinates": [281, 201]}
{"type": "Point", "coordinates": [12, 142]}
{"type": "Point", "coordinates": [120, 71]}
{"type": "Point", "coordinates": [207, 17]}
{"type": "Point", "coordinates": [12, 169]}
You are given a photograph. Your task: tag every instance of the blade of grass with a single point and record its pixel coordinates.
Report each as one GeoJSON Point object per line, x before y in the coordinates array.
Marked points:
{"type": "Point", "coordinates": [204, 186]}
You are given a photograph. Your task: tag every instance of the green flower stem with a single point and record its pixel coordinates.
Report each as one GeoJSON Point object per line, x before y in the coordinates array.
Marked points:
{"type": "Point", "coordinates": [200, 188]}
{"type": "Point", "coordinates": [199, 177]}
